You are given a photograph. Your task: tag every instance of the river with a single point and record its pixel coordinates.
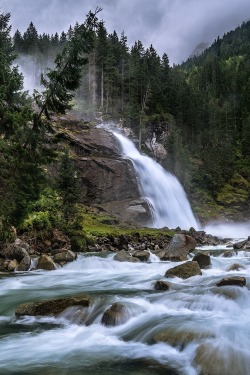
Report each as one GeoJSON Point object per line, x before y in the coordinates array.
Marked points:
{"type": "Point", "coordinates": [218, 319]}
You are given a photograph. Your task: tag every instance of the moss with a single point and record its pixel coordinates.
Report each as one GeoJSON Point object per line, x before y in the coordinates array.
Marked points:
{"type": "Point", "coordinates": [235, 193]}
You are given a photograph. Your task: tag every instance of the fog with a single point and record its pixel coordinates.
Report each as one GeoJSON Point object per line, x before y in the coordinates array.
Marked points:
{"type": "Point", "coordinates": [176, 27]}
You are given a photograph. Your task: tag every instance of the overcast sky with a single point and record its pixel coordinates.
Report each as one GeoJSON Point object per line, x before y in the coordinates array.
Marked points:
{"type": "Point", "coordinates": [172, 26]}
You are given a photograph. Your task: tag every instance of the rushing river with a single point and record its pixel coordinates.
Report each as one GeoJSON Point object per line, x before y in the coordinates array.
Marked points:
{"type": "Point", "coordinates": [218, 319]}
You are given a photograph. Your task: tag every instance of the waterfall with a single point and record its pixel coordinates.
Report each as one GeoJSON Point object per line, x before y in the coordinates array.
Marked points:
{"type": "Point", "coordinates": [166, 196]}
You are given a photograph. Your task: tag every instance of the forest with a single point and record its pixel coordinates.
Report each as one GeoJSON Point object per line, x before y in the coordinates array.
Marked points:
{"type": "Point", "coordinates": [199, 110]}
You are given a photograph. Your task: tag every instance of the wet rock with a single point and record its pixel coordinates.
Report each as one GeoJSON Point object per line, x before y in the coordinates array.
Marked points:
{"type": "Point", "coordinates": [13, 251]}
{"type": "Point", "coordinates": [235, 267]}
{"type": "Point", "coordinates": [45, 263]}
{"type": "Point", "coordinates": [12, 266]}
{"type": "Point", "coordinates": [179, 247]}
{"type": "Point", "coordinates": [216, 359]}
{"type": "Point", "coordinates": [65, 256]}
{"type": "Point", "coordinates": [242, 245]}
{"type": "Point", "coordinates": [162, 285]}
{"type": "Point", "coordinates": [228, 254]}
{"type": "Point", "coordinates": [202, 259]}
{"type": "Point", "coordinates": [184, 270]}
{"type": "Point", "coordinates": [3, 265]}
{"type": "Point", "coordinates": [232, 280]}
{"type": "Point", "coordinates": [51, 307]}
{"type": "Point", "coordinates": [24, 264]}
{"type": "Point", "coordinates": [143, 256]}
{"type": "Point", "coordinates": [179, 337]}
{"type": "Point", "coordinates": [115, 315]}
{"type": "Point", "coordinates": [124, 256]}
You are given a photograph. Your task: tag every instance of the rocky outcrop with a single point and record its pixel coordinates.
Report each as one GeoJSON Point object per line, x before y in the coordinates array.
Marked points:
{"type": "Point", "coordinates": [51, 307]}
{"type": "Point", "coordinates": [15, 250]}
{"type": "Point", "coordinates": [232, 280]}
{"type": "Point", "coordinates": [184, 270]}
{"type": "Point", "coordinates": [242, 245]}
{"type": "Point", "coordinates": [115, 315]}
{"type": "Point", "coordinates": [202, 259]}
{"type": "Point", "coordinates": [105, 177]}
{"type": "Point", "coordinates": [178, 248]}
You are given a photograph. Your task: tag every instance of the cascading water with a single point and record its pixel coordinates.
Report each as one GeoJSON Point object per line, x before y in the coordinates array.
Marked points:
{"type": "Point", "coordinates": [170, 206]}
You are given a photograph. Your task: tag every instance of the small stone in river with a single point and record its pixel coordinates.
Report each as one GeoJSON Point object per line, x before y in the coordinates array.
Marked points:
{"type": "Point", "coordinates": [232, 280]}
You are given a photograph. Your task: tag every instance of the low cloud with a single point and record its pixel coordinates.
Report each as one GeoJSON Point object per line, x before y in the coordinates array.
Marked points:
{"type": "Point", "coordinates": [172, 26]}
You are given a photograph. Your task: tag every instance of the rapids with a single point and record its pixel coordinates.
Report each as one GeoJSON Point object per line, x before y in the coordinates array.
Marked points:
{"type": "Point", "coordinates": [219, 319]}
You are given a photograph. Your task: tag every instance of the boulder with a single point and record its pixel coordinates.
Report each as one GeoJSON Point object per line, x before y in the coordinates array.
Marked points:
{"type": "Point", "coordinates": [184, 270]}
{"type": "Point", "coordinates": [3, 265]}
{"type": "Point", "coordinates": [202, 259]}
{"type": "Point", "coordinates": [242, 245]}
{"type": "Point", "coordinates": [65, 256]}
{"type": "Point", "coordinates": [24, 264]}
{"type": "Point", "coordinates": [12, 266]}
{"type": "Point", "coordinates": [232, 280]}
{"type": "Point", "coordinates": [45, 263]}
{"type": "Point", "coordinates": [13, 251]}
{"type": "Point", "coordinates": [124, 256]}
{"type": "Point", "coordinates": [143, 256]}
{"type": "Point", "coordinates": [179, 247]}
{"type": "Point", "coordinates": [115, 315]}
{"type": "Point", "coordinates": [162, 285]}
{"type": "Point", "coordinates": [180, 337]}
{"type": "Point", "coordinates": [235, 267]}
{"type": "Point", "coordinates": [51, 307]}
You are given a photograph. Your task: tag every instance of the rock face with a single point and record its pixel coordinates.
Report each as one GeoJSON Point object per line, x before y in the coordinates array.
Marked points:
{"type": "Point", "coordinates": [115, 315]}
{"type": "Point", "coordinates": [232, 280]}
{"type": "Point", "coordinates": [203, 260]}
{"type": "Point", "coordinates": [51, 307]}
{"type": "Point", "coordinates": [179, 247]}
{"type": "Point", "coordinates": [104, 176]}
{"type": "Point", "coordinates": [184, 270]}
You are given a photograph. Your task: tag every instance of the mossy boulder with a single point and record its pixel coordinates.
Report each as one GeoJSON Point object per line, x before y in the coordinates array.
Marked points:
{"type": "Point", "coordinates": [202, 259]}
{"type": "Point", "coordinates": [232, 280]}
{"type": "Point", "coordinates": [45, 263]}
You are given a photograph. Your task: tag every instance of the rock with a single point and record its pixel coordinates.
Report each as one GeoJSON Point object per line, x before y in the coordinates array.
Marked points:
{"type": "Point", "coordinates": [143, 256]}
{"type": "Point", "coordinates": [65, 256]}
{"type": "Point", "coordinates": [228, 254]}
{"type": "Point", "coordinates": [115, 315]}
{"type": "Point", "coordinates": [179, 247]}
{"type": "Point", "coordinates": [124, 256]}
{"type": "Point", "coordinates": [3, 265]}
{"type": "Point", "coordinates": [24, 264]}
{"type": "Point", "coordinates": [12, 266]}
{"type": "Point", "coordinates": [45, 263]}
{"type": "Point", "coordinates": [239, 245]}
{"type": "Point", "coordinates": [14, 251]}
{"type": "Point", "coordinates": [232, 280]}
{"type": "Point", "coordinates": [235, 267]}
{"type": "Point", "coordinates": [216, 359]}
{"type": "Point", "coordinates": [184, 270]}
{"type": "Point", "coordinates": [162, 285]}
{"type": "Point", "coordinates": [59, 240]}
{"type": "Point", "coordinates": [180, 337]}
{"type": "Point", "coordinates": [202, 259]}
{"type": "Point", "coordinates": [51, 307]}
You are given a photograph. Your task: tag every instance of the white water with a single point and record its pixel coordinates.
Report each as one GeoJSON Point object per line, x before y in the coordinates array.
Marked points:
{"type": "Point", "coordinates": [218, 317]}
{"type": "Point", "coordinates": [170, 206]}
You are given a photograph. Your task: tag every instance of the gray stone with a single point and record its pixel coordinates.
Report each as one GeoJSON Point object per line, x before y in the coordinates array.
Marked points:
{"type": "Point", "coordinates": [24, 264]}
{"type": "Point", "coordinates": [179, 247]}
{"type": "Point", "coordinates": [115, 315]}
{"type": "Point", "coordinates": [202, 259]}
{"type": "Point", "coordinates": [232, 280]}
{"type": "Point", "coordinates": [184, 270]}
{"type": "Point", "coordinates": [124, 256]}
{"type": "Point", "coordinates": [65, 256]}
